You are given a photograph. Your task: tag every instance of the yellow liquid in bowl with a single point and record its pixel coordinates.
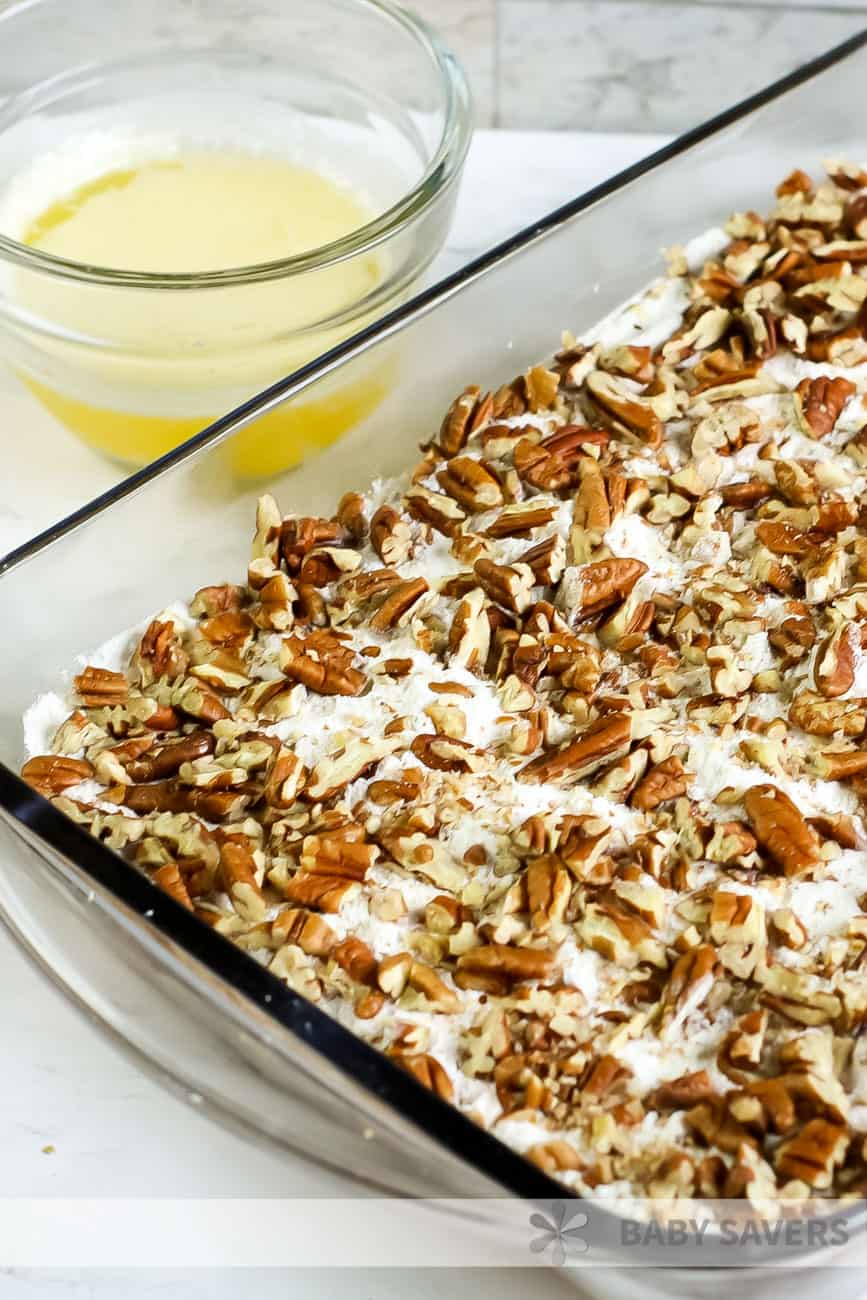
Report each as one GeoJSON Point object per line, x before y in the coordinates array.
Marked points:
{"type": "Point", "coordinates": [133, 372]}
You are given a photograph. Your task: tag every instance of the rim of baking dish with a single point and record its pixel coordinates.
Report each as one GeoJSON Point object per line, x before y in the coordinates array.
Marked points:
{"type": "Point", "coordinates": [28, 811]}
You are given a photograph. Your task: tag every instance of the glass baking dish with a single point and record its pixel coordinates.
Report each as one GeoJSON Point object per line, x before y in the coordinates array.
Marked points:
{"type": "Point", "coordinates": [200, 1013]}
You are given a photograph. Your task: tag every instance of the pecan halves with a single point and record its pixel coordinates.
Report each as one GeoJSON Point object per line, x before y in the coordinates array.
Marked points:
{"type": "Point", "coordinates": [162, 761]}
{"type": "Point", "coordinates": [100, 687]}
{"type": "Point", "coordinates": [161, 652]}
{"type": "Point", "coordinates": [239, 878]}
{"type": "Point", "coordinates": [390, 536]}
{"type": "Point", "coordinates": [818, 403]}
{"type": "Point", "coordinates": [507, 584]}
{"type": "Point", "coordinates": [514, 964]}
{"type": "Point", "coordinates": [472, 485]}
{"type": "Point", "coordinates": [468, 412]}
{"type": "Point", "coordinates": [604, 740]}
{"type": "Point", "coordinates": [50, 774]}
{"type": "Point", "coordinates": [836, 659]}
{"type": "Point", "coordinates": [326, 673]}
{"type": "Point", "coordinates": [622, 410]}
{"type": "Point", "coordinates": [667, 780]}
{"type": "Point", "coordinates": [553, 463]}
{"type": "Point", "coordinates": [781, 830]}
{"type": "Point", "coordinates": [599, 585]}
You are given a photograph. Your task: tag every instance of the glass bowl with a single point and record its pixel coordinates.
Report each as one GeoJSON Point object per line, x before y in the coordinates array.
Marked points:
{"type": "Point", "coordinates": [134, 362]}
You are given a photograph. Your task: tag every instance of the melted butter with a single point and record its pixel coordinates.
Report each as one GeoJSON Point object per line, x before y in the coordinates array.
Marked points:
{"type": "Point", "coordinates": [135, 371]}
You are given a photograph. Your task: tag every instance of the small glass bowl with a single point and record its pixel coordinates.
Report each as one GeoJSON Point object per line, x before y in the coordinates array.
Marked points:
{"type": "Point", "coordinates": [358, 90]}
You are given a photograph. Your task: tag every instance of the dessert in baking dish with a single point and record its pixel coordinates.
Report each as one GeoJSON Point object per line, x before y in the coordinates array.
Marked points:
{"type": "Point", "coordinates": [542, 769]}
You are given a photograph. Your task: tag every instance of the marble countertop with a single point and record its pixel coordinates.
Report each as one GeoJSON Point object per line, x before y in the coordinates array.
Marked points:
{"type": "Point", "coordinates": [79, 1120]}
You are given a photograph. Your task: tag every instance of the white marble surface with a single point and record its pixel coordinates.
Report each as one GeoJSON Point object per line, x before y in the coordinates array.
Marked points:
{"type": "Point", "coordinates": [111, 1131]}
{"type": "Point", "coordinates": [630, 65]}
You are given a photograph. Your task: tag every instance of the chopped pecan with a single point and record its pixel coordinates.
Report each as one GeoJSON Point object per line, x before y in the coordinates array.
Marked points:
{"type": "Point", "coordinates": [447, 754]}
{"type": "Point", "coordinates": [836, 659]}
{"type": "Point", "coordinates": [357, 959]}
{"type": "Point", "coordinates": [514, 964]}
{"type": "Point", "coordinates": [52, 773]}
{"type": "Point", "coordinates": [169, 879]}
{"type": "Point", "coordinates": [781, 830]}
{"type": "Point", "coordinates": [161, 761]}
{"type": "Point", "coordinates": [623, 410]}
{"type": "Point", "coordinates": [434, 508]}
{"type": "Point", "coordinates": [470, 633]}
{"type": "Point", "coordinates": [473, 486]}
{"type": "Point", "coordinates": [520, 519]}
{"type": "Point", "coordinates": [399, 605]}
{"type": "Point", "coordinates": [666, 780]}
{"type": "Point", "coordinates": [301, 534]}
{"type": "Point", "coordinates": [684, 1091]}
{"type": "Point", "coordinates": [509, 585]}
{"type": "Point", "coordinates": [427, 1070]}
{"type": "Point", "coordinates": [99, 686]}
{"type": "Point", "coordinates": [818, 403]}
{"type": "Point", "coordinates": [603, 584]}
{"type": "Point", "coordinates": [553, 463]}
{"type": "Point", "coordinates": [305, 929]}
{"type": "Point", "coordinates": [239, 877]}
{"type": "Point", "coordinates": [161, 652]}
{"type": "Point", "coordinates": [602, 741]}
{"type": "Point", "coordinates": [328, 673]}
{"type": "Point", "coordinates": [351, 516]}
{"type": "Point", "coordinates": [811, 1155]}
{"type": "Point", "coordinates": [547, 559]}
{"type": "Point", "coordinates": [390, 536]}
{"type": "Point", "coordinates": [468, 412]}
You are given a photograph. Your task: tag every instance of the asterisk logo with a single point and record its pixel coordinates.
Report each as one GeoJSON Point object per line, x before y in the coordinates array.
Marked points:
{"type": "Point", "coordinates": [559, 1232]}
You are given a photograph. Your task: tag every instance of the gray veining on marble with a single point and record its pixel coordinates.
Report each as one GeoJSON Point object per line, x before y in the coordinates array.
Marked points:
{"type": "Point", "coordinates": [629, 65]}
{"type": "Point", "coordinates": [632, 65]}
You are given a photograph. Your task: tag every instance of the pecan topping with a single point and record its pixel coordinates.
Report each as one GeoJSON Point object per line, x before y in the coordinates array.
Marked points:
{"type": "Point", "coordinates": [512, 963]}
{"type": "Point", "coordinates": [781, 830]}
{"type": "Point", "coordinates": [390, 536]}
{"type": "Point", "coordinates": [52, 773]}
{"type": "Point", "coordinates": [818, 403]}
{"type": "Point", "coordinates": [509, 585]}
{"type": "Point", "coordinates": [520, 519]}
{"type": "Point", "coordinates": [605, 583]}
{"type": "Point", "coordinates": [546, 759]}
{"type": "Point", "coordinates": [472, 486]}
{"type": "Point", "coordinates": [440, 511]}
{"type": "Point", "coordinates": [603, 740]}
{"type": "Point", "coordinates": [667, 780]}
{"type": "Point", "coordinates": [98, 686]}
{"type": "Point", "coordinates": [467, 412]}
{"type": "Point", "coordinates": [327, 671]}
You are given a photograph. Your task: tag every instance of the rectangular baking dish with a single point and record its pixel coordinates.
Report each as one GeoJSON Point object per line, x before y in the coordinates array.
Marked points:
{"type": "Point", "coordinates": [201, 1013]}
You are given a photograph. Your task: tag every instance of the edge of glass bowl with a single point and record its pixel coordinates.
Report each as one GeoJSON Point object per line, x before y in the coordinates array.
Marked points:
{"type": "Point", "coordinates": [440, 173]}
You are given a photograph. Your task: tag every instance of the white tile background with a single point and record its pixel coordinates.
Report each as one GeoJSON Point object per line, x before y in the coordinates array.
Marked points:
{"type": "Point", "coordinates": [629, 65]}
